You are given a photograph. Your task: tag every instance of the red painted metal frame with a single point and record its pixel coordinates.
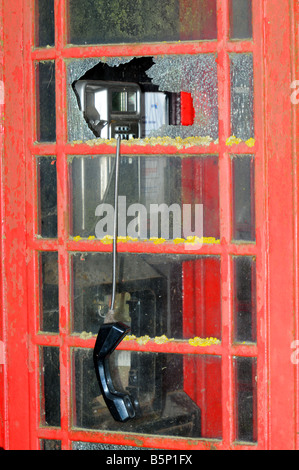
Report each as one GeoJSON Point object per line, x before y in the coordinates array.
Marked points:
{"type": "Point", "coordinates": [281, 219]}
{"type": "Point", "coordinates": [295, 131]}
{"type": "Point", "coordinates": [275, 248]}
{"type": "Point", "coordinates": [2, 359]}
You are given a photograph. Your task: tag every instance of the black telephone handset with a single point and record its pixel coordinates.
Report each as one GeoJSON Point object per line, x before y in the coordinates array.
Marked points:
{"type": "Point", "coordinates": [111, 334]}
{"type": "Point", "coordinates": [118, 403]}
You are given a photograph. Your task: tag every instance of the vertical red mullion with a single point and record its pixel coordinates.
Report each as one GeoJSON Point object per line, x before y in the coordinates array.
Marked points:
{"type": "Point", "coordinates": [33, 271]}
{"type": "Point", "coordinates": [225, 185]}
{"type": "Point", "coordinates": [295, 75]}
{"type": "Point", "coordinates": [199, 326]}
{"type": "Point", "coordinates": [261, 220]}
{"type": "Point", "coordinates": [62, 211]}
{"type": "Point", "coordinates": [254, 402]}
{"type": "Point", "coordinates": [14, 287]}
{"type": "Point", "coordinates": [279, 158]}
{"type": "Point", "coordinates": [32, 225]}
{"type": "Point", "coordinates": [2, 350]}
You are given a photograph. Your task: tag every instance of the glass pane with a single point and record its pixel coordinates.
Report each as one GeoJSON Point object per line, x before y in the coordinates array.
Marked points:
{"type": "Point", "coordinates": [240, 19]}
{"type": "Point", "coordinates": [44, 23]}
{"type": "Point", "coordinates": [47, 187]}
{"type": "Point", "coordinates": [97, 446]}
{"type": "Point", "coordinates": [246, 398]}
{"type": "Point", "coordinates": [47, 444]}
{"type": "Point", "coordinates": [119, 21]}
{"type": "Point", "coordinates": [165, 96]}
{"type": "Point", "coordinates": [244, 198]}
{"type": "Point", "coordinates": [50, 386]}
{"type": "Point", "coordinates": [49, 314]}
{"type": "Point", "coordinates": [159, 197]}
{"type": "Point", "coordinates": [46, 114]}
{"type": "Point", "coordinates": [242, 96]}
{"type": "Point", "coordinates": [245, 299]}
{"type": "Point", "coordinates": [177, 395]}
{"type": "Point", "coordinates": [173, 295]}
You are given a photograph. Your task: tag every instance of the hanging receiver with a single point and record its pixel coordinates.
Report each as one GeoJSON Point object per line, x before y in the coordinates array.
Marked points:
{"type": "Point", "coordinates": [111, 334]}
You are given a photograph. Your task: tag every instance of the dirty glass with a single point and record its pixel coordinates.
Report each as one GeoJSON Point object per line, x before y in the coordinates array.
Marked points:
{"type": "Point", "coordinates": [171, 198]}
{"type": "Point", "coordinates": [49, 307]}
{"type": "Point", "coordinates": [50, 385]}
{"type": "Point", "coordinates": [45, 100]}
{"type": "Point", "coordinates": [176, 97]}
{"type": "Point", "coordinates": [245, 299]}
{"type": "Point", "coordinates": [246, 398]}
{"type": "Point", "coordinates": [170, 296]}
{"type": "Point", "coordinates": [242, 115]}
{"type": "Point", "coordinates": [174, 394]}
{"type": "Point", "coordinates": [240, 19]}
{"type": "Point", "coordinates": [48, 444]}
{"type": "Point", "coordinates": [127, 21]}
{"type": "Point", "coordinates": [44, 23]}
{"type": "Point", "coordinates": [243, 198]}
{"type": "Point", "coordinates": [79, 445]}
{"type": "Point", "coordinates": [47, 190]}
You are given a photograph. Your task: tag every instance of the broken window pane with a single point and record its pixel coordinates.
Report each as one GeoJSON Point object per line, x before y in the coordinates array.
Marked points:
{"type": "Point", "coordinates": [242, 116]}
{"type": "Point", "coordinates": [127, 21]}
{"type": "Point", "coordinates": [174, 96]}
{"type": "Point", "coordinates": [196, 75]}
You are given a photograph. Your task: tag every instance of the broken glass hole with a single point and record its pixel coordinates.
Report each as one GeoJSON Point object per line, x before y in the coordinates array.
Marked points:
{"type": "Point", "coordinates": [173, 96]}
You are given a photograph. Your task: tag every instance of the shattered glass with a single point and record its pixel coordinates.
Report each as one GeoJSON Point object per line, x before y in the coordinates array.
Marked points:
{"type": "Point", "coordinates": [195, 75]}
{"type": "Point", "coordinates": [242, 96]}
{"type": "Point", "coordinates": [77, 126]}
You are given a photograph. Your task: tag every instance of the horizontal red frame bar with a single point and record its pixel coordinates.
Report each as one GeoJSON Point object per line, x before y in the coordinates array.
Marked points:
{"type": "Point", "coordinates": [139, 440]}
{"type": "Point", "coordinates": [94, 148]}
{"type": "Point", "coordinates": [150, 49]}
{"type": "Point", "coordinates": [171, 347]}
{"type": "Point", "coordinates": [96, 246]}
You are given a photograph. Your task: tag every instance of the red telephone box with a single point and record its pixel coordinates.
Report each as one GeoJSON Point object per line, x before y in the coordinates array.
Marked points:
{"type": "Point", "coordinates": [211, 360]}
